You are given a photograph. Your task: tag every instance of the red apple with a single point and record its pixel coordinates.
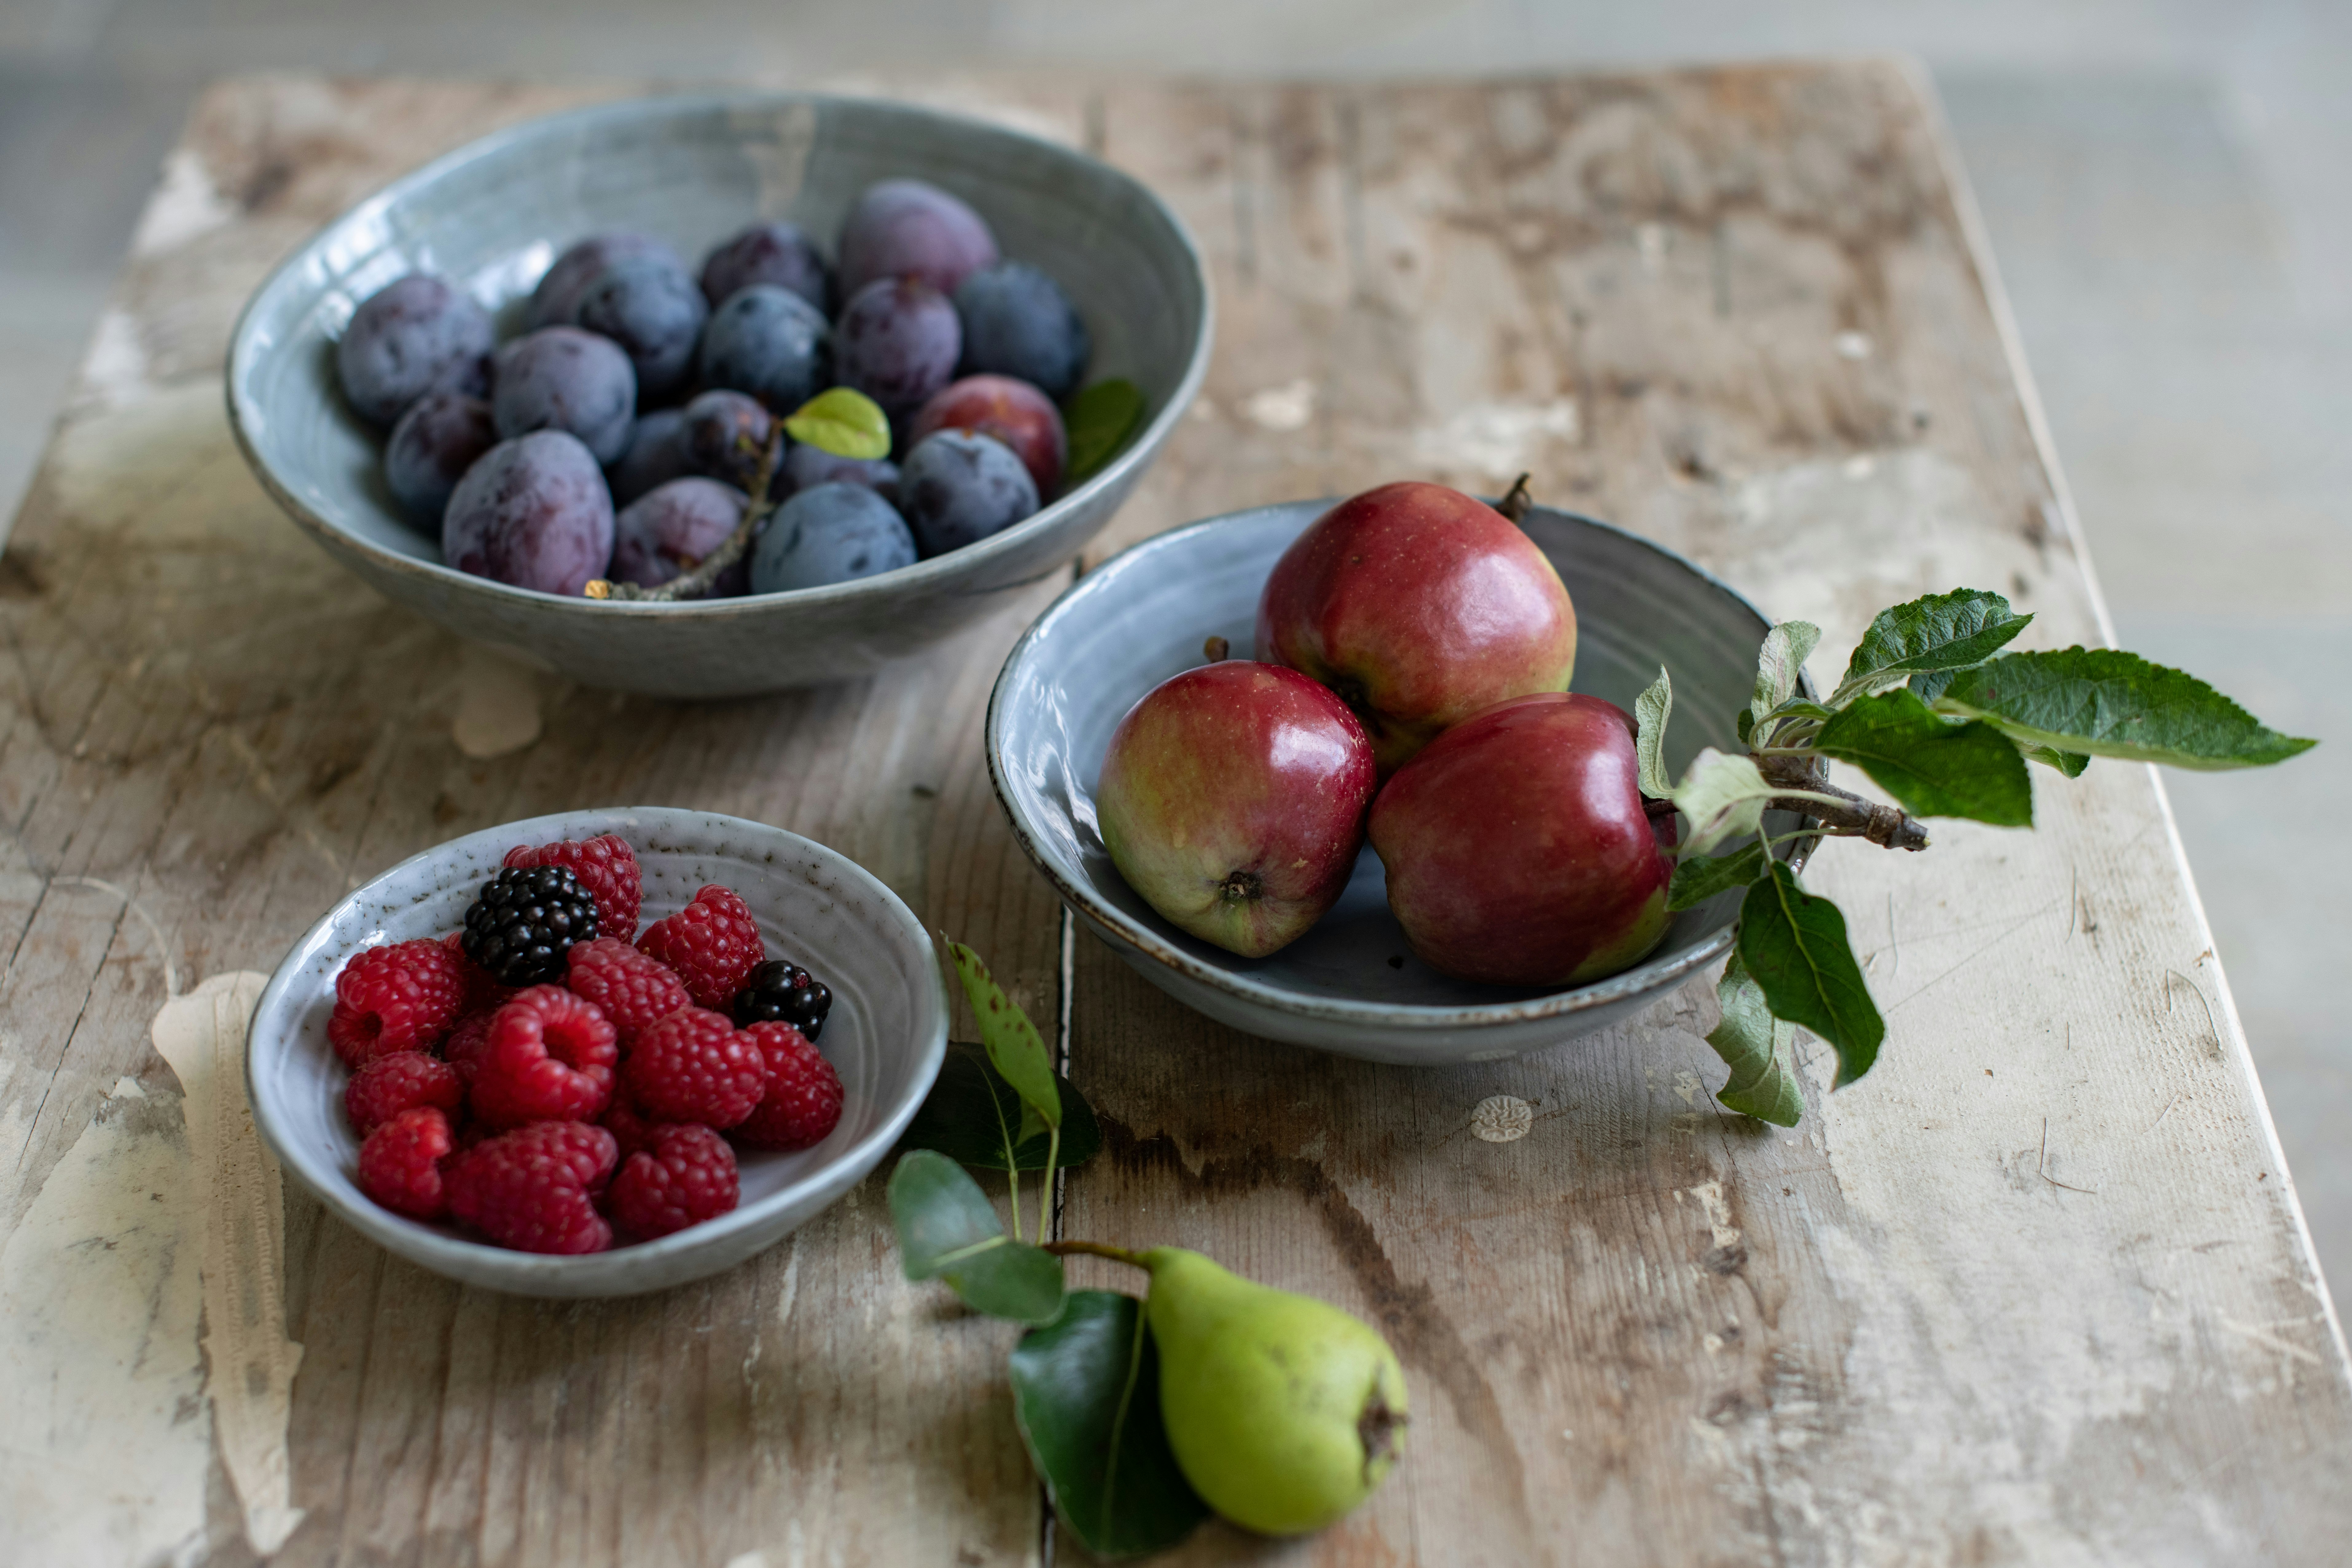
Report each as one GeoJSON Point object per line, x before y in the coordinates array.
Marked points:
{"type": "Point", "coordinates": [1013, 411]}
{"type": "Point", "coordinates": [1518, 849]}
{"type": "Point", "coordinates": [1232, 799]}
{"type": "Point", "coordinates": [1419, 606]}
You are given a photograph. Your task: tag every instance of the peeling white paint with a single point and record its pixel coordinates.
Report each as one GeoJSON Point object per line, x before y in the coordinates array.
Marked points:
{"type": "Point", "coordinates": [185, 205]}
{"type": "Point", "coordinates": [1501, 1119]}
{"type": "Point", "coordinates": [1283, 408]}
{"type": "Point", "coordinates": [498, 705]}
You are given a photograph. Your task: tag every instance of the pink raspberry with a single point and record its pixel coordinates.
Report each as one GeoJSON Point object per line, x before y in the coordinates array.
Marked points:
{"type": "Point", "coordinates": [687, 1176]}
{"type": "Point", "coordinates": [628, 987]}
{"type": "Point", "coordinates": [398, 1082]}
{"type": "Point", "coordinates": [549, 1058]}
{"type": "Point", "coordinates": [607, 866]}
{"type": "Point", "coordinates": [713, 943]}
{"type": "Point", "coordinates": [398, 998]}
{"type": "Point", "coordinates": [803, 1100]}
{"type": "Point", "coordinates": [466, 1042]}
{"type": "Point", "coordinates": [629, 1129]}
{"type": "Point", "coordinates": [534, 1189]}
{"type": "Point", "coordinates": [400, 1162]}
{"type": "Point", "coordinates": [693, 1066]}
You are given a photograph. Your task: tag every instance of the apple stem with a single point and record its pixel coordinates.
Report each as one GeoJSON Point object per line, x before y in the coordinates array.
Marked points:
{"type": "Point", "coordinates": [1096, 1249]}
{"type": "Point", "coordinates": [1217, 649]}
{"type": "Point", "coordinates": [1812, 795]}
{"type": "Point", "coordinates": [1517, 499]}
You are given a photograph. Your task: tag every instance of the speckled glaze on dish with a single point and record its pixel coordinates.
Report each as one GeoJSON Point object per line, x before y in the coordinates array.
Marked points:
{"type": "Point", "coordinates": [1141, 617]}
{"type": "Point", "coordinates": [887, 1034]}
{"type": "Point", "coordinates": [692, 171]}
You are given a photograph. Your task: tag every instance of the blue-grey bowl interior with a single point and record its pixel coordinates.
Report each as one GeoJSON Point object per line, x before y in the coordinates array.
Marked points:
{"type": "Point", "coordinates": [1144, 615]}
{"type": "Point", "coordinates": [885, 1036]}
{"type": "Point", "coordinates": [692, 171]}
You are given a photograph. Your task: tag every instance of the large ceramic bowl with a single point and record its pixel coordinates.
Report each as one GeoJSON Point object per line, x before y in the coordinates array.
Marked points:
{"type": "Point", "coordinates": [694, 170]}
{"type": "Point", "coordinates": [1351, 984]}
{"type": "Point", "coordinates": [885, 1036]}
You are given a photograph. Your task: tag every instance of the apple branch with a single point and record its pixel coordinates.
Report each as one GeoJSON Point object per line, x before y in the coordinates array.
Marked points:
{"type": "Point", "coordinates": [1881, 824]}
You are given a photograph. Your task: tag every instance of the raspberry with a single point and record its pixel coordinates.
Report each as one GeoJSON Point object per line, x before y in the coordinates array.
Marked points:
{"type": "Point", "coordinates": [803, 1100]}
{"type": "Point", "coordinates": [629, 1129]}
{"type": "Point", "coordinates": [606, 868]}
{"type": "Point", "coordinates": [525, 920]}
{"type": "Point", "coordinates": [398, 998]}
{"type": "Point", "coordinates": [630, 988]}
{"type": "Point", "coordinates": [463, 1049]}
{"type": "Point", "coordinates": [534, 1189]}
{"type": "Point", "coordinates": [400, 1162]}
{"type": "Point", "coordinates": [694, 1066]}
{"type": "Point", "coordinates": [687, 1176]}
{"type": "Point", "coordinates": [398, 1082]}
{"type": "Point", "coordinates": [549, 1058]}
{"type": "Point", "coordinates": [780, 992]}
{"type": "Point", "coordinates": [483, 993]}
{"type": "Point", "coordinates": [713, 943]}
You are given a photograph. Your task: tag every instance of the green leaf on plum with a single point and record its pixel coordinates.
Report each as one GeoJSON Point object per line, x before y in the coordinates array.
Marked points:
{"type": "Point", "coordinates": [1933, 767]}
{"type": "Point", "coordinates": [1014, 1047]}
{"type": "Point", "coordinates": [1940, 632]}
{"type": "Point", "coordinates": [1756, 1047]}
{"type": "Point", "coordinates": [1099, 420]}
{"type": "Point", "coordinates": [1794, 944]}
{"type": "Point", "coordinates": [843, 422]}
{"type": "Point", "coordinates": [1723, 797]}
{"type": "Point", "coordinates": [1651, 711]}
{"type": "Point", "coordinates": [2103, 703]}
{"type": "Point", "coordinates": [973, 1116]}
{"type": "Point", "coordinates": [1780, 661]}
{"type": "Point", "coordinates": [1699, 877]}
{"type": "Point", "coordinates": [948, 1230]}
{"type": "Point", "coordinates": [2071, 763]}
{"type": "Point", "coordinates": [1085, 1394]}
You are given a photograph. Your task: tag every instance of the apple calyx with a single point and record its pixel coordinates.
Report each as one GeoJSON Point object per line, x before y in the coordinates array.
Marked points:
{"type": "Point", "coordinates": [1241, 886]}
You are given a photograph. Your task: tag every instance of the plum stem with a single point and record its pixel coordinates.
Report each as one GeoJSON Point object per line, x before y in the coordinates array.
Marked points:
{"type": "Point", "coordinates": [706, 571]}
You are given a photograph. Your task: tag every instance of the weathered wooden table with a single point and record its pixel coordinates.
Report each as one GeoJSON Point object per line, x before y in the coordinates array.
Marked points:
{"type": "Point", "coordinates": [2037, 1291]}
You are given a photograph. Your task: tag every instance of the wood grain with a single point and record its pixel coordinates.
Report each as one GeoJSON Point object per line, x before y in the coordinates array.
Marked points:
{"type": "Point", "coordinates": [2036, 1290]}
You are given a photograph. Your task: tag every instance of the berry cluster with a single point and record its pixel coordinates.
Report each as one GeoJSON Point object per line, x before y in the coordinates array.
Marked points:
{"type": "Point", "coordinates": [544, 1081]}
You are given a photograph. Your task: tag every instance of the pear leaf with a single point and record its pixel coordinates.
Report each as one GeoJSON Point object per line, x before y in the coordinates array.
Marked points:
{"type": "Point", "coordinates": [1780, 661]}
{"type": "Point", "coordinates": [1933, 767]}
{"type": "Point", "coordinates": [1651, 711]}
{"type": "Point", "coordinates": [1795, 947]}
{"type": "Point", "coordinates": [948, 1230]}
{"type": "Point", "coordinates": [1723, 797]}
{"type": "Point", "coordinates": [843, 422]}
{"type": "Point", "coordinates": [1699, 877]}
{"type": "Point", "coordinates": [972, 1116]}
{"type": "Point", "coordinates": [1100, 419]}
{"type": "Point", "coordinates": [2103, 703]}
{"type": "Point", "coordinates": [1756, 1047]}
{"type": "Point", "coordinates": [1085, 1394]}
{"type": "Point", "coordinates": [1940, 632]}
{"type": "Point", "coordinates": [2071, 763]}
{"type": "Point", "coordinates": [1014, 1050]}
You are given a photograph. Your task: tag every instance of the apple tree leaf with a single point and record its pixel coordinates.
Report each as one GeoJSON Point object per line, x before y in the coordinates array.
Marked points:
{"type": "Point", "coordinates": [1933, 767]}
{"type": "Point", "coordinates": [2071, 763]}
{"type": "Point", "coordinates": [1756, 1047]}
{"type": "Point", "coordinates": [1795, 947]}
{"type": "Point", "coordinates": [1085, 1394]}
{"type": "Point", "coordinates": [972, 1116]}
{"type": "Point", "coordinates": [1014, 1050]}
{"type": "Point", "coordinates": [2103, 703]}
{"type": "Point", "coordinates": [1699, 877]}
{"type": "Point", "coordinates": [1940, 632]}
{"type": "Point", "coordinates": [1780, 661]}
{"type": "Point", "coordinates": [1723, 797]}
{"type": "Point", "coordinates": [843, 422]}
{"type": "Point", "coordinates": [1100, 419]}
{"type": "Point", "coordinates": [948, 1230]}
{"type": "Point", "coordinates": [1651, 711]}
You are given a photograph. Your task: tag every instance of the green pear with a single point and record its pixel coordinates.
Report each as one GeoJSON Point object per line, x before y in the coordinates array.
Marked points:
{"type": "Point", "coordinates": [1284, 1412]}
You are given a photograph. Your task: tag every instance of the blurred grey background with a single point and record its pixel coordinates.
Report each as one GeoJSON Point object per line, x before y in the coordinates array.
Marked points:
{"type": "Point", "coordinates": [2167, 184]}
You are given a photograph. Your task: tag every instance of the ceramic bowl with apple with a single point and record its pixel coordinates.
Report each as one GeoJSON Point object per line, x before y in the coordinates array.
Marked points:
{"type": "Point", "coordinates": [1401, 819]}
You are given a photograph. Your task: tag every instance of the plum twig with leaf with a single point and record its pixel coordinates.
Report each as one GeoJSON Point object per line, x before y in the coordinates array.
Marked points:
{"type": "Point", "coordinates": [1279, 1411]}
{"type": "Point", "coordinates": [1941, 715]}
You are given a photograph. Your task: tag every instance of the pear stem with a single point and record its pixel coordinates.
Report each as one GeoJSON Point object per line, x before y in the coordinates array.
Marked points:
{"type": "Point", "coordinates": [1096, 1249]}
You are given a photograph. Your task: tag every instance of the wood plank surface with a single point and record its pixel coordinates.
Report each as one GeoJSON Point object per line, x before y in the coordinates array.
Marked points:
{"type": "Point", "coordinates": [2036, 1290]}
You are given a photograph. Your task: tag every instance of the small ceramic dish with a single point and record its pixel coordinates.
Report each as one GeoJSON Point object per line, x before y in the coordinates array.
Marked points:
{"type": "Point", "coordinates": [885, 1036]}
{"type": "Point", "coordinates": [693, 170]}
{"type": "Point", "coordinates": [1351, 984]}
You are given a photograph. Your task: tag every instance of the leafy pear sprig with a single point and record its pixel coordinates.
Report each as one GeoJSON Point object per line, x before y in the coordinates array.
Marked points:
{"type": "Point", "coordinates": [1086, 1382]}
{"type": "Point", "coordinates": [1944, 720]}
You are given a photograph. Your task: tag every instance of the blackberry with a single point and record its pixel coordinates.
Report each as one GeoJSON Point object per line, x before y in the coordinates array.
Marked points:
{"type": "Point", "coordinates": [526, 921]}
{"type": "Point", "coordinates": [780, 992]}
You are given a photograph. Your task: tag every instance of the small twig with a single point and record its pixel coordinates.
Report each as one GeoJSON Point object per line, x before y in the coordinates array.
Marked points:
{"type": "Point", "coordinates": [2042, 1169]}
{"type": "Point", "coordinates": [706, 572]}
{"type": "Point", "coordinates": [1517, 499]}
{"type": "Point", "coordinates": [1881, 824]}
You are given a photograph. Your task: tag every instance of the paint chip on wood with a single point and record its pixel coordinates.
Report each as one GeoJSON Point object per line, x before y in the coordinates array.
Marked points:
{"type": "Point", "coordinates": [1501, 1118]}
{"type": "Point", "coordinates": [1281, 408]}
